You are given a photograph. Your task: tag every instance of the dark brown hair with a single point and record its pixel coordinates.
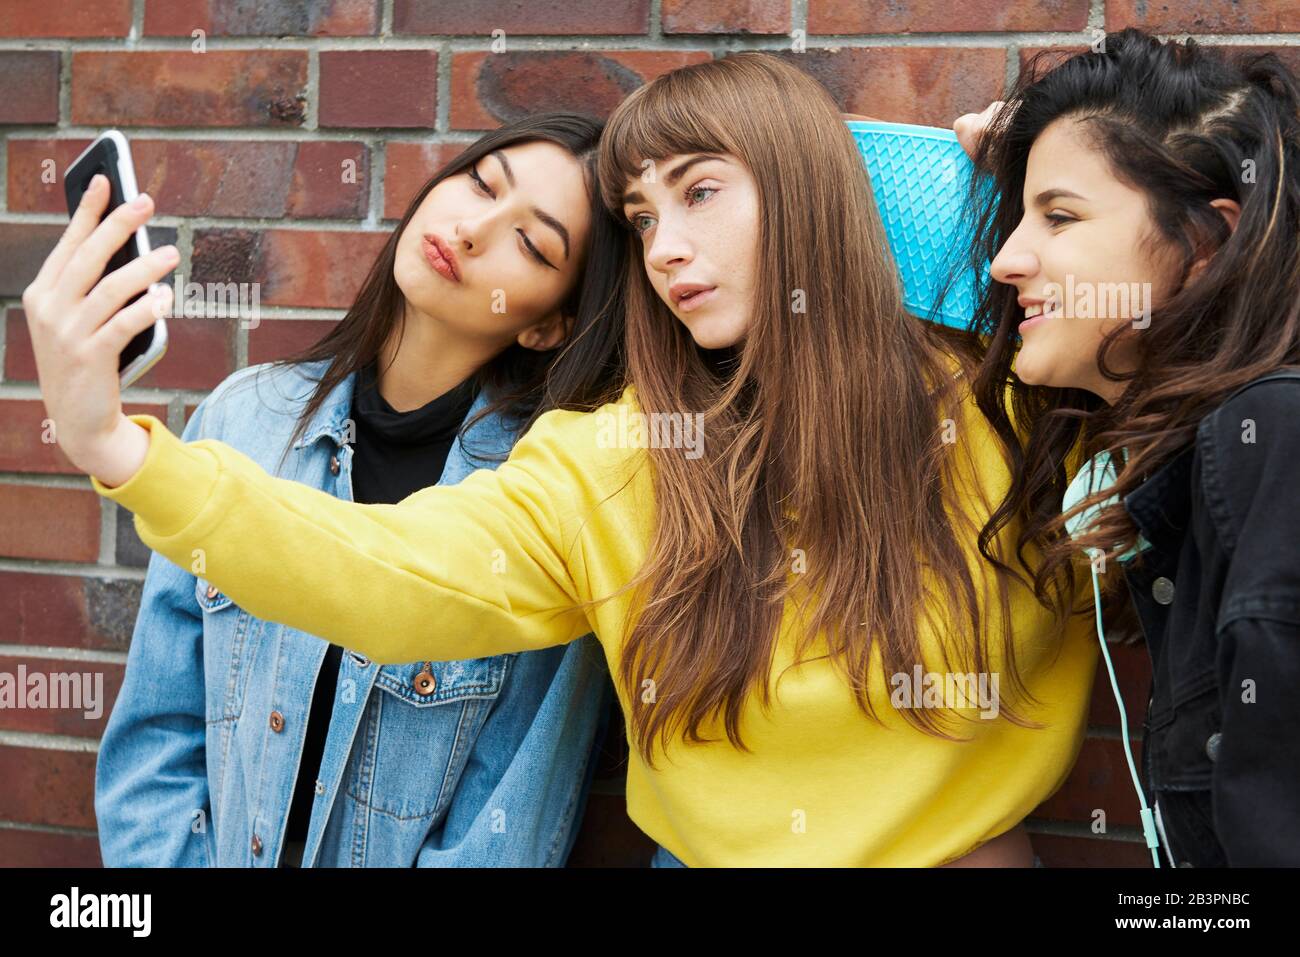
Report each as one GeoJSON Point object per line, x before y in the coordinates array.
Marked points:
{"type": "Point", "coordinates": [585, 371]}
{"type": "Point", "coordinates": [1185, 125]}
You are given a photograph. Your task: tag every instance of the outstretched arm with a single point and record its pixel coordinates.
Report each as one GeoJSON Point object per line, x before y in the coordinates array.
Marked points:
{"type": "Point", "coordinates": [475, 569]}
{"type": "Point", "coordinates": [463, 571]}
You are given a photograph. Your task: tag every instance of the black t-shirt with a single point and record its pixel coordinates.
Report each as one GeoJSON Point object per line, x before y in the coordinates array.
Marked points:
{"type": "Point", "coordinates": [395, 455]}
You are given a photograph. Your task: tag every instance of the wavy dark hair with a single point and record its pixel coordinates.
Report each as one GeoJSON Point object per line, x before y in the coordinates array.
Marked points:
{"type": "Point", "coordinates": [1183, 124]}
{"type": "Point", "coordinates": [582, 373]}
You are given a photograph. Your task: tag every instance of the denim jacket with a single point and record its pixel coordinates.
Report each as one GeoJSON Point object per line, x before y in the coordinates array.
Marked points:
{"type": "Point", "coordinates": [1218, 596]}
{"type": "Point", "coordinates": [457, 763]}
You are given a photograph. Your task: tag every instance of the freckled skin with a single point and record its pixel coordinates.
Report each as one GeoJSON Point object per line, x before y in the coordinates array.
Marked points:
{"type": "Point", "coordinates": [703, 228]}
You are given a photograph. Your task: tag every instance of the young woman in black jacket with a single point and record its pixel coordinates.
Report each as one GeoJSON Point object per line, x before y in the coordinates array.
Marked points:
{"type": "Point", "coordinates": [1145, 316]}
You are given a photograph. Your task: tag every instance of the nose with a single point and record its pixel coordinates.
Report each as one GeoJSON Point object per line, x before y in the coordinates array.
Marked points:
{"type": "Point", "coordinates": [473, 234]}
{"type": "Point", "coordinates": [1015, 261]}
{"type": "Point", "coordinates": [670, 247]}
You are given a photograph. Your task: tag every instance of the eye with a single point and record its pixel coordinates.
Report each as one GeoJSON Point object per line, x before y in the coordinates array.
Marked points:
{"type": "Point", "coordinates": [694, 190]}
{"type": "Point", "coordinates": [636, 218]}
{"type": "Point", "coordinates": [533, 250]}
{"type": "Point", "coordinates": [479, 184]}
{"type": "Point", "coordinates": [1057, 219]}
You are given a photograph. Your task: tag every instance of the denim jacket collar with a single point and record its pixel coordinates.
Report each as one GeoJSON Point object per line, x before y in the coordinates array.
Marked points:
{"type": "Point", "coordinates": [491, 433]}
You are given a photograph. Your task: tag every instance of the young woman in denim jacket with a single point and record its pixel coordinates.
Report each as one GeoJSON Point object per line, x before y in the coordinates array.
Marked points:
{"type": "Point", "coordinates": [237, 741]}
{"type": "Point", "coordinates": [1172, 173]}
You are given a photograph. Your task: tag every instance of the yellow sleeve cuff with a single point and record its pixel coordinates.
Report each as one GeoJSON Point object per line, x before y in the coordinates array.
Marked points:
{"type": "Point", "coordinates": [169, 490]}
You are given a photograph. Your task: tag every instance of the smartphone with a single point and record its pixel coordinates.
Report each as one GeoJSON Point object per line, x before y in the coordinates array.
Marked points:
{"type": "Point", "coordinates": [111, 155]}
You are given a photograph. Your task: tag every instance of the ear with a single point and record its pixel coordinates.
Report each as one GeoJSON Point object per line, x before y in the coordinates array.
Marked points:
{"type": "Point", "coordinates": [1231, 211]}
{"type": "Point", "coordinates": [546, 333]}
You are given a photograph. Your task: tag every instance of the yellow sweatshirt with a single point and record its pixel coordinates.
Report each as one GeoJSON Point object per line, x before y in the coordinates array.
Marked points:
{"type": "Point", "coordinates": [496, 564]}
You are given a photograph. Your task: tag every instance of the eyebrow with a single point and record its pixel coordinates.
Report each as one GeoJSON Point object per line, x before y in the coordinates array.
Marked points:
{"type": "Point", "coordinates": [1047, 195]}
{"type": "Point", "coordinates": [674, 174]}
{"type": "Point", "coordinates": [546, 218]}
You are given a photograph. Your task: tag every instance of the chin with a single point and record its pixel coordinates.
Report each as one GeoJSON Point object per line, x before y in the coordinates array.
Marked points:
{"type": "Point", "coordinates": [715, 333]}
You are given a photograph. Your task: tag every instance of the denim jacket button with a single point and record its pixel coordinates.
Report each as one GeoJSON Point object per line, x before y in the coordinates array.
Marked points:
{"type": "Point", "coordinates": [334, 465]}
{"type": "Point", "coordinates": [212, 591]}
{"type": "Point", "coordinates": [1162, 590]}
{"type": "Point", "coordinates": [320, 787]}
{"type": "Point", "coordinates": [425, 682]}
{"type": "Point", "coordinates": [1212, 746]}
{"type": "Point", "coordinates": [257, 846]}
{"type": "Point", "coordinates": [277, 722]}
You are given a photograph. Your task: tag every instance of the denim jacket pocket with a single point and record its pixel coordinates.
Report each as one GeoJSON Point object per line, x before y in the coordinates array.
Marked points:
{"type": "Point", "coordinates": [423, 723]}
{"type": "Point", "coordinates": [425, 684]}
{"type": "Point", "coordinates": [209, 598]}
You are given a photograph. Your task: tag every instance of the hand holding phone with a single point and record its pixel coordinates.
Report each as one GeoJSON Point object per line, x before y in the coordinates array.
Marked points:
{"type": "Point", "coordinates": [110, 155]}
{"type": "Point", "coordinates": [80, 321]}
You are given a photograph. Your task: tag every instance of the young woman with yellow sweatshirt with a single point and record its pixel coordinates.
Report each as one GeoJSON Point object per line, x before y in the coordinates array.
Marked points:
{"type": "Point", "coordinates": [773, 531]}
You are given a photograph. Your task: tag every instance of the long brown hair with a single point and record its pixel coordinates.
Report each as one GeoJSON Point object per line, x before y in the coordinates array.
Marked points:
{"type": "Point", "coordinates": [824, 430]}
{"type": "Point", "coordinates": [1185, 125]}
{"type": "Point", "coordinates": [582, 373]}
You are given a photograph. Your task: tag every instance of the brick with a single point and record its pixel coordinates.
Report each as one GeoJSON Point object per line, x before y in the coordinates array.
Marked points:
{"type": "Point", "coordinates": [47, 786]}
{"type": "Point", "coordinates": [1037, 61]}
{"type": "Point", "coordinates": [1100, 779]}
{"type": "Point", "coordinates": [238, 18]}
{"type": "Point", "coordinates": [407, 167]}
{"type": "Point", "coordinates": [208, 178]}
{"type": "Point", "coordinates": [22, 434]}
{"type": "Point", "coordinates": [68, 611]}
{"type": "Point", "coordinates": [22, 847]}
{"type": "Point", "coordinates": [488, 89]}
{"type": "Point", "coordinates": [481, 17]}
{"type": "Point", "coordinates": [1056, 850]}
{"type": "Point", "coordinates": [944, 16]}
{"type": "Point", "coordinates": [330, 180]}
{"type": "Point", "coordinates": [1205, 16]}
{"type": "Point", "coordinates": [1133, 671]}
{"type": "Point", "coordinates": [200, 353]}
{"type": "Point", "coordinates": [55, 524]}
{"type": "Point", "coordinates": [65, 18]}
{"type": "Point", "coordinates": [274, 339]}
{"type": "Point", "coordinates": [378, 88]}
{"type": "Point", "coordinates": [128, 549]}
{"type": "Point", "coordinates": [182, 88]}
{"type": "Point", "coordinates": [25, 246]}
{"type": "Point", "coordinates": [30, 79]}
{"type": "Point", "coordinates": [725, 16]}
{"type": "Point", "coordinates": [927, 85]}
{"type": "Point", "coordinates": [295, 267]}
{"type": "Point", "coordinates": [104, 683]}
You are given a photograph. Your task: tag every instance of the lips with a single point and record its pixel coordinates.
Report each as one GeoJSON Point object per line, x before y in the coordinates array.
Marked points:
{"type": "Point", "coordinates": [691, 295]}
{"type": "Point", "coordinates": [440, 257]}
{"type": "Point", "coordinates": [1036, 310]}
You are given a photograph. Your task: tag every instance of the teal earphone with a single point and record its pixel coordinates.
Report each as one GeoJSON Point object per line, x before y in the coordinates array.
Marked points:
{"type": "Point", "coordinates": [1097, 475]}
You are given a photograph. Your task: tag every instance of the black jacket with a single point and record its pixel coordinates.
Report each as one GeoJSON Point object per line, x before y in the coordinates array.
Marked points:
{"type": "Point", "coordinates": [1218, 595]}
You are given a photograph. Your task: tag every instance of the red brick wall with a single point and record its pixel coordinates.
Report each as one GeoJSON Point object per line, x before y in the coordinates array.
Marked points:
{"type": "Point", "coordinates": [243, 146]}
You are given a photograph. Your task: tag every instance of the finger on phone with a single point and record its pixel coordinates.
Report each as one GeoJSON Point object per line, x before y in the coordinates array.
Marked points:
{"type": "Point", "coordinates": [125, 325]}
{"type": "Point", "coordinates": [117, 288]}
{"type": "Point", "coordinates": [84, 218]}
{"type": "Point", "coordinates": [87, 266]}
